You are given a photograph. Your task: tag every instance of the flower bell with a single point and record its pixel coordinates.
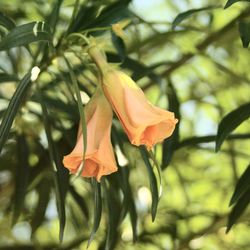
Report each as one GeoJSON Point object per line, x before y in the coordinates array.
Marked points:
{"type": "Point", "coordinates": [99, 156]}
{"type": "Point", "coordinates": [144, 123]}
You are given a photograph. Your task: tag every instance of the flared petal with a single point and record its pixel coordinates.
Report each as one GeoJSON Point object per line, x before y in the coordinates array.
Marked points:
{"type": "Point", "coordinates": [144, 123]}
{"type": "Point", "coordinates": [99, 156]}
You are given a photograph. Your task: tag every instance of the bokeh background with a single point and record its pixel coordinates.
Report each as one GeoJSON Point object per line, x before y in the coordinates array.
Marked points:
{"type": "Point", "coordinates": [190, 57]}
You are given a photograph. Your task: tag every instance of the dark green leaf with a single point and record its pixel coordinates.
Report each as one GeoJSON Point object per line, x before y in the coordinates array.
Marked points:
{"type": "Point", "coordinates": [242, 185]}
{"type": "Point", "coordinates": [26, 34]}
{"type": "Point", "coordinates": [7, 78]}
{"type": "Point", "coordinates": [22, 176]}
{"type": "Point", "coordinates": [79, 201]}
{"type": "Point", "coordinates": [169, 145]}
{"type": "Point", "coordinates": [231, 2]}
{"type": "Point", "coordinates": [87, 17]}
{"type": "Point", "coordinates": [43, 189]}
{"type": "Point", "coordinates": [123, 172]}
{"type": "Point", "coordinates": [112, 14]}
{"type": "Point", "coordinates": [238, 209]}
{"type": "Point", "coordinates": [54, 15]}
{"type": "Point", "coordinates": [244, 29]}
{"type": "Point", "coordinates": [119, 45]}
{"type": "Point", "coordinates": [84, 17]}
{"type": "Point", "coordinates": [12, 109]}
{"type": "Point", "coordinates": [128, 203]}
{"type": "Point", "coordinates": [230, 122]}
{"type": "Point", "coordinates": [153, 181]}
{"type": "Point", "coordinates": [114, 210]}
{"type": "Point", "coordinates": [60, 175]}
{"type": "Point", "coordinates": [6, 22]}
{"type": "Point", "coordinates": [184, 15]}
{"type": "Point", "coordinates": [97, 210]}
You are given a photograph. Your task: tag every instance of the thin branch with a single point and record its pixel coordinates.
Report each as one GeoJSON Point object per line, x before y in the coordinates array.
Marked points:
{"type": "Point", "coordinates": [209, 138]}
{"type": "Point", "coordinates": [213, 37]}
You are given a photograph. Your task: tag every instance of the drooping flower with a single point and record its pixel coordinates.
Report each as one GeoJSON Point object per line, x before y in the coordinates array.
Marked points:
{"type": "Point", "coordinates": [99, 156]}
{"type": "Point", "coordinates": [144, 123]}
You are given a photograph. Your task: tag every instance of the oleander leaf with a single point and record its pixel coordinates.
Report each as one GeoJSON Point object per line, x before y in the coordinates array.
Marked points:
{"type": "Point", "coordinates": [26, 34]}
{"type": "Point", "coordinates": [230, 122]}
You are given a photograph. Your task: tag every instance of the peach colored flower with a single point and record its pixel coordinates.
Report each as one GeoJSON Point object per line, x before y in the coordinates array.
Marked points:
{"type": "Point", "coordinates": [99, 156]}
{"type": "Point", "coordinates": [144, 123]}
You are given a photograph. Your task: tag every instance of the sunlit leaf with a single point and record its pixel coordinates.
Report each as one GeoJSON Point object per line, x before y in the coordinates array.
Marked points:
{"type": "Point", "coordinates": [230, 122]}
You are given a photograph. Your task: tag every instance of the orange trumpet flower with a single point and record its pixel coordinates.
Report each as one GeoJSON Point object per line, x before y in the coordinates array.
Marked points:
{"type": "Point", "coordinates": [144, 123]}
{"type": "Point", "coordinates": [99, 156]}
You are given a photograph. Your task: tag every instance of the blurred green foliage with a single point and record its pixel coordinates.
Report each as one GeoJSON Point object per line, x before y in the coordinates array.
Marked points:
{"type": "Point", "coordinates": [189, 57]}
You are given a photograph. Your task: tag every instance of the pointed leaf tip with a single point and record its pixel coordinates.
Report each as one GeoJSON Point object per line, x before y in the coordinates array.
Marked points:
{"type": "Point", "coordinates": [230, 122]}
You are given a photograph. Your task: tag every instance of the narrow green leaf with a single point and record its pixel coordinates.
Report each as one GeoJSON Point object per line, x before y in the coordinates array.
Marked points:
{"type": "Point", "coordinates": [128, 203]}
{"type": "Point", "coordinates": [242, 185]}
{"type": "Point", "coordinates": [22, 177]}
{"type": "Point", "coordinates": [244, 29]}
{"type": "Point", "coordinates": [7, 78]}
{"type": "Point", "coordinates": [184, 15]}
{"type": "Point", "coordinates": [60, 175]}
{"type": "Point", "coordinates": [6, 21]}
{"type": "Point", "coordinates": [153, 181]}
{"type": "Point", "coordinates": [12, 109]}
{"type": "Point", "coordinates": [169, 145]}
{"type": "Point", "coordinates": [79, 201]}
{"type": "Point", "coordinates": [97, 210]}
{"type": "Point", "coordinates": [111, 14]}
{"type": "Point", "coordinates": [26, 34]}
{"type": "Point", "coordinates": [158, 168]}
{"type": "Point", "coordinates": [54, 15]}
{"type": "Point", "coordinates": [114, 210]}
{"type": "Point", "coordinates": [83, 18]}
{"type": "Point", "coordinates": [119, 45]}
{"type": "Point", "coordinates": [93, 16]}
{"type": "Point", "coordinates": [238, 209]}
{"type": "Point", "coordinates": [230, 122]}
{"type": "Point", "coordinates": [82, 115]}
{"type": "Point", "coordinates": [44, 191]}
{"type": "Point", "coordinates": [231, 2]}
